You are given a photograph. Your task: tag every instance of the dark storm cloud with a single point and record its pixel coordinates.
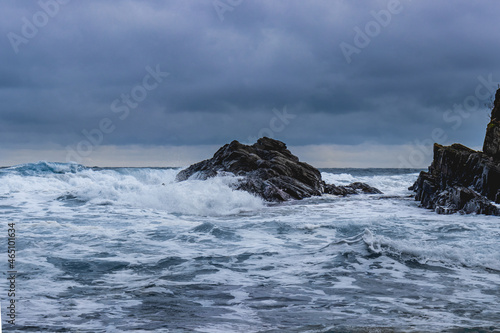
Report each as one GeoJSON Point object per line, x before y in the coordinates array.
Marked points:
{"type": "Point", "coordinates": [227, 76]}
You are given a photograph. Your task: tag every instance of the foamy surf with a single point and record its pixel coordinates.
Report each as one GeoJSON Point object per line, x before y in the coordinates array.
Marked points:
{"type": "Point", "coordinates": [116, 250]}
{"type": "Point", "coordinates": [135, 188]}
{"type": "Point", "coordinates": [366, 238]}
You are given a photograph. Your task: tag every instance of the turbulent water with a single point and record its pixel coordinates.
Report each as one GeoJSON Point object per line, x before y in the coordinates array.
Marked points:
{"type": "Point", "coordinates": [128, 249]}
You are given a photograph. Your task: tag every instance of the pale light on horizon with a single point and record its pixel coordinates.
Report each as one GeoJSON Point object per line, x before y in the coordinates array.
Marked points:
{"type": "Point", "coordinates": [320, 156]}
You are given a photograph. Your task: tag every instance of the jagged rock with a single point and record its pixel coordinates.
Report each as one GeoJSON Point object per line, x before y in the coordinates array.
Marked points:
{"type": "Point", "coordinates": [268, 169]}
{"type": "Point", "coordinates": [353, 188]}
{"type": "Point", "coordinates": [462, 199]}
{"type": "Point", "coordinates": [491, 144]}
{"type": "Point", "coordinates": [462, 179]}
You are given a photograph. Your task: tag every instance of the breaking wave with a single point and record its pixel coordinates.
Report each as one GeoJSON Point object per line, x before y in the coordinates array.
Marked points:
{"type": "Point", "coordinates": [131, 187]}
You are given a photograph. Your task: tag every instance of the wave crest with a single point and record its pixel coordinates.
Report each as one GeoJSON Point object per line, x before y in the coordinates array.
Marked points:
{"type": "Point", "coordinates": [143, 188]}
{"type": "Point", "coordinates": [44, 167]}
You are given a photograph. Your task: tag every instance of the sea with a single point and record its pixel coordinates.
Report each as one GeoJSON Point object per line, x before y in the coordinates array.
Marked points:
{"type": "Point", "coordinates": [132, 250]}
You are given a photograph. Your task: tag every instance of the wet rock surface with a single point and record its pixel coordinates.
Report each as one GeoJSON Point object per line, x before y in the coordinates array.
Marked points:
{"type": "Point", "coordinates": [354, 188]}
{"type": "Point", "coordinates": [464, 180]}
{"type": "Point", "coordinates": [491, 145]}
{"type": "Point", "coordinates": [269, 170]}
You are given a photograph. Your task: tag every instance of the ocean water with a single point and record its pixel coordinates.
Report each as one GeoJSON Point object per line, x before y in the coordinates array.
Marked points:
{"type": "Point", "coordinates": [129, 249]}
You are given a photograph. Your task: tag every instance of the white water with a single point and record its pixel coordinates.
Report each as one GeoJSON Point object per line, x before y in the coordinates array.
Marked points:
{"type": "Point", "coordinates": [129, 187]}
{"type": "Point", "coordinates": [115, 250]}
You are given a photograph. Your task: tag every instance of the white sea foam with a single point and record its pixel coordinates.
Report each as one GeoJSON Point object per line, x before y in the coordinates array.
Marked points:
{"type": "Point", "coordinates": [337, 179]}
{"type": "Point", "coordinates": [139, 188]}
{"type": "Point", "coordinates": [111, 249]}
{"type": "Point", "coordinates": [396, 184]}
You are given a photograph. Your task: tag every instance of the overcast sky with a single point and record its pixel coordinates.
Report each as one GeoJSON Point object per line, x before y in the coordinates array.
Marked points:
{"type": "Point", "coordinates": [343, 83]}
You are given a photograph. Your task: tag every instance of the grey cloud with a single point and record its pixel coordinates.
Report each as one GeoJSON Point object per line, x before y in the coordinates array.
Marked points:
{"type": "Point", "coordinates": [226, 77]}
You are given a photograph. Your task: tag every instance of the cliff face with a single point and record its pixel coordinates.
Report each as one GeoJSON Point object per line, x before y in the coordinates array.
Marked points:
{"type": "Point", "coordinates": [491, 144]}
{"type": "Point", "coordinates": [462, 179]}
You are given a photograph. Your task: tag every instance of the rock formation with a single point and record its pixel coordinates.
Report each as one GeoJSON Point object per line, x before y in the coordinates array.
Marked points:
{"type": "Point", "coordinates": [491, 145]}
{"type": "Point", "coordinates": [464, 180]}
{"type": "Point", "coordinates": [268, 169]}
{"type": "Point", "coordinates": [353, 188]}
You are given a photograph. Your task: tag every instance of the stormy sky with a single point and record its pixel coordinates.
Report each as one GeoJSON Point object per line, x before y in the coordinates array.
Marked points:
{"type": "Point", "coordinates": [165, 83]}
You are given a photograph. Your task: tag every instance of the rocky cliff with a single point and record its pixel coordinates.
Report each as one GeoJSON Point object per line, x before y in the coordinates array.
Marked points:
{"type": "Point", "coordinates": [491, 146]}
{"type": "Point", "coordinates": [464, 180]}
{"type": "Point", "coordinates": [268, 169]}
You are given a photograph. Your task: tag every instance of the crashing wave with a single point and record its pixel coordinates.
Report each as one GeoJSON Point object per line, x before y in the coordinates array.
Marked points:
{"type": "Point", "coordinates": [44, 167]}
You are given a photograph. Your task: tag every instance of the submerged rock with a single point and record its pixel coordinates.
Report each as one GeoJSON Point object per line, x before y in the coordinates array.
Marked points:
{"type": "Point", "coordinates": [268, 169]}
{"type": "Point", "coordinates": [462, 179]}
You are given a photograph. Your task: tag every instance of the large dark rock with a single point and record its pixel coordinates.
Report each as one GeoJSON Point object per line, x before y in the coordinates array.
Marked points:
{"type": "Point", "coordinates": [268, 169]}
{"type": "Point", "coordinates": [462, 179]}
{"type": "Point", "coordinates": [491, 144]}
{"type": "Point", "coordinates": [353, 188]}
